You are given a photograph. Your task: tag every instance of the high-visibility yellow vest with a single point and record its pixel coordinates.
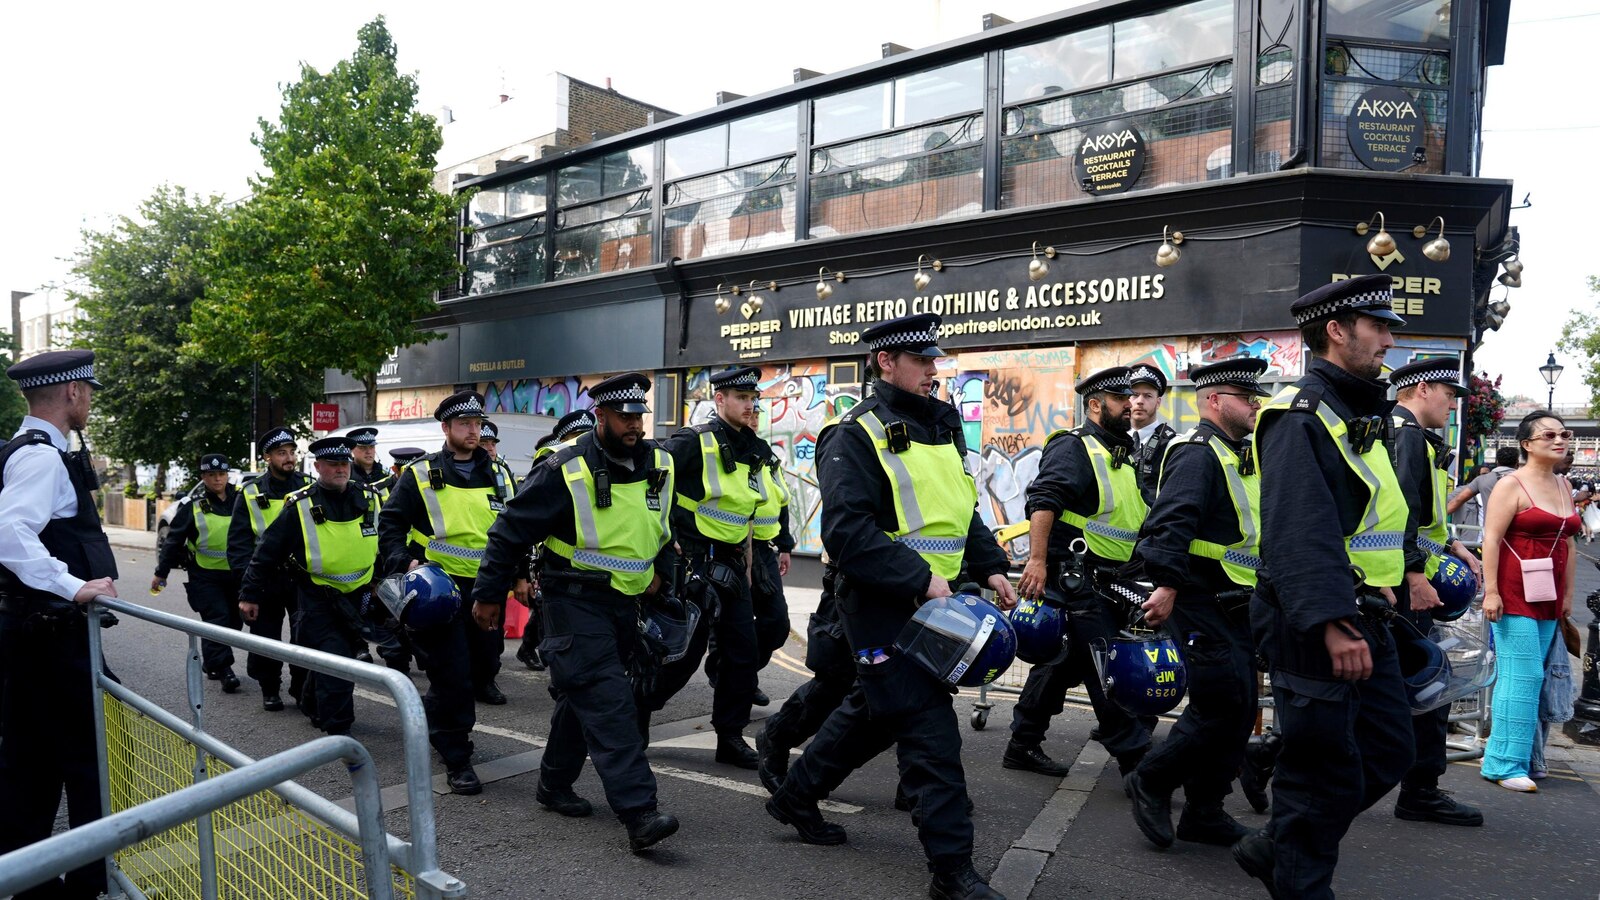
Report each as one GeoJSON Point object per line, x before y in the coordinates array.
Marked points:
{"type": "Point", "coordinates": [1433, 534]}
{"type": "Point", "coordinates": [263, 509]}
{"type": "Point", "coordinates": [622, 539]}
{"type": "Point", "coordinates": [339, 555]}
{"type": "Point", "coordinates": [505, 478]}
{"type": "Point", "coordinates": [1113, 527]}
{"type": "Point", "coordinates": [1376, 547]}
{"type": "Point", "coordinates": [1241, 559]}
{"type": "Point", "coordinates": [460, 519]}
{"type": "Point", "coordinates": [209, 546]}
{"type": "Point", "coordinates": [728, 503]}
{"type": "Point", "coordinates": [768, 523]}
{"type": "Point", "coordinates": [933, 496]}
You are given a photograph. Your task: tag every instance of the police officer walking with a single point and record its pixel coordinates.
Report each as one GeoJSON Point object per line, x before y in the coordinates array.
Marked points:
{"type": "Point", "coordinates": [260, 501]}
{"type": "Point", "coordinates": [53, 554]}
{"type": "Point", "coordinates": [568, 429]}
{"type": "Point", "coordinates": [364, 468]}
{"type": "Point", "coordinates": [1087, 480]}
{"type": "Point", "coordinates": [328, 536]}
{"type": "Point", "coordinates": [770, 549]}
{"type": "Point", "coordinates": [720, 487]}
{"type": "Point", "coordinates": [1333, 520]}
{"type": "Point", "coordinates": [197, 540]}
{"type": "Point", "coordinates": [450, 498]}
{"type": "Point", "coordinates": [1427, 391]}
{"type": "Point", "coordinates": [601, 507]}
{"type": "Point", "coordinates": [1200, 547]}
{"type": "Point", "coordinates": [900, 522]}
{"type": "Point", "coordinates": [1150, 434]}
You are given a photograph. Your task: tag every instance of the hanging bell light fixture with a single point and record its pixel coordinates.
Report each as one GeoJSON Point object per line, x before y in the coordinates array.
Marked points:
{"type": "Point", "coordinates": [1168, 253]}
{"type": "Point", "coordinates": [1437, 249]}
{"type": "Point", "coordinates": [922, 279]}
{"type": "Point", "coordinates": [1038, 268]}
{"type": "Point", "coordinates": [1382, 243]}
{"type": "Point", "coordinates": [824, 289]}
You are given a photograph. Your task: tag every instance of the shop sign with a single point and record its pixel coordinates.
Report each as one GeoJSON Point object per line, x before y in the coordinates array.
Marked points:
{"type": "Point", "coordinates": [1110, 158]}
{"type": "Point", "coordinates": [1386, 129]}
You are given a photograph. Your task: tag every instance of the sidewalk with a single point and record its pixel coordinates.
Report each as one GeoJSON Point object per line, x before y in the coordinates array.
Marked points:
{"type": "Point", "coordinates": [128, 537]}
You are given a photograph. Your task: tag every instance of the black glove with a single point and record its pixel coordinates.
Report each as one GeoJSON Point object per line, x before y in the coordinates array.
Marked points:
{"type": "Point", "coordinates": [644, 666]}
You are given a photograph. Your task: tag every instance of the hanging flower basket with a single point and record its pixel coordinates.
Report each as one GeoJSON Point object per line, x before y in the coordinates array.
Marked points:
{"type": "Point", "coordinates": [1485, 408]}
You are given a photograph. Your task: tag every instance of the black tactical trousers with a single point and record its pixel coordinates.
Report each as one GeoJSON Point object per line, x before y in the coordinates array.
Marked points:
{"type": "Point", "coordinates": [278, 603]}
{"type": "Point", "coordinates": [444, 652]}
{"type": "Point", "coordinates": [770, 608]}
{"type": "Point", "coordinates": [588, 640]}
{"type": "Point", "coordinates": [1429, 731]}
{"type": "Point", "coordinates": [1205, 747]}
{"type": "Point", "coordinates": [834, 674]}
{"type": "Point", "coordinates": [484, 647]}
{"type": "Point", "coordinates": [329, 621]}
{"type": "Point", "coordinates": [725, 605]}
{"type": "Point", "coordinates": [47, 741]}
{"type": "Point", "coordinates": [214, 595]}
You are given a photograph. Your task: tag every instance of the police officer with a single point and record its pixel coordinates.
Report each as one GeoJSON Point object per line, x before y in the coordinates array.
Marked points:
{"type": "Point", "coordinates": [400, 457]}
{"type": "Point", "coordinates": [260, 501]}
{"type": "Point", "coordinates": [601, 507]}
{"type": "Point", "coordinates": [1427, 391]}
{"type": "Point", "coordinates": [1087, 480]}
{"type": "Point", "coordinates": [900, 522]}
{"type": "Point", "coordinates": [1200, 547]}
{"type": "Point", "coordinates": [449, 499]}
{"type": "Point", "coordinates": [328, 536]}
{"type": "Point", "coordinates": [489, 440]}
{"type": "Point", "coordinates": [1150, 434]}
{"type": "Point", "coordinates": [770, 550]}
{"type": "Point", "coordinates": [1333, 522]}
{"type": "Point", "coordinates": [833, 673]}
{"type": "Point", "coordinates": [720, 481]}
{"type": "Point", "coordinates": [197, 540]}
{"type": "Point", "coordinates": [568, 429]}
{"type": "Point", "coordinates": [364, 468]}
{"type": "Point", "coordinates": [53, 554]}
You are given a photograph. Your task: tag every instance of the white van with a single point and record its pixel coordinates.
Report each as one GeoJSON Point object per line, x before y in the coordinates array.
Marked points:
{"type": "Point", "coordinates": [518, 434]}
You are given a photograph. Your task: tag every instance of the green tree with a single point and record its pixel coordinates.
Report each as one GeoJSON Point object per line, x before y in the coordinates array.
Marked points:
{"type": "Point", "coordinates": [143, 276]}
{"type": "Point", "coordinates": [1581, 336]}
{"type": "Point", "coordinates": [12, 406]}
{"type": "Point", "coordinates": [339, 250]}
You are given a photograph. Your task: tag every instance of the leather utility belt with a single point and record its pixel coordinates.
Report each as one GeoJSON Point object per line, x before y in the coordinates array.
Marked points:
{"type": "Point", "coordinates": [1234, 602]}
{"type": "Point", "coordinates": [572, 582]}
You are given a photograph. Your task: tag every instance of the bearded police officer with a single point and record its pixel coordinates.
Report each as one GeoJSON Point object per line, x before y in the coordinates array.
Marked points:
{"type": "Point", "coordinates": [328, 536]}
{"type": "Point", "coordinates": [1087, 480]}
{"type": "Point", "coordinates": [1199, 547]}
{"type": "Point", "coordinates": [449, 499]}
{"type": "Point", "coordinates": [1427, 391]}
{"type": "Point", "coordinates": [197, 540]}
{"type": "Point", "coordinates": [900, 522]}
{"type": "Point", "coordinates": [53, 554]}
{"type": "Point", "coordinates": [1333, 520]}
{"type": "Point", "coordinates": [568, 429]}
{"type": "Point", "coordinates": [259, 504]}
{"type": "Point", "coordinates": [601, 507]}
{"type": "Point", "coordinates": [720, 486]}
{"type": "Point", "coordinates": [1150, 433]}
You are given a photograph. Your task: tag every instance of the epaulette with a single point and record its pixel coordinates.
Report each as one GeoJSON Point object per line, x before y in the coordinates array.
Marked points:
{"type": "Point", "coordinates": [558, 458]}
{"type": "Point", "coordinates": [1195, 436]}
{"type": "Point", "coordinates": [702, 428]}
{"type": "Point", "coordinates": [864, 406]}
{"type": "Point", "coordinates": [297, 496]}
{"type": "Point", "coordinates": [1307, 399]}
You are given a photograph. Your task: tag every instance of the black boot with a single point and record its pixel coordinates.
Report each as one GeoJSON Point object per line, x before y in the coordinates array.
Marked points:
{"type": "Point", "coordinates": [464, 781]}
{"type": "Point", "coordinates": [1128, 762]}
{"type": "Point", "coordinates": [806, 819]}
{"type": "Point", "coordinates": [1434, 805]}
{"type": "Point", "coordinates": [732, 749]}
{"type": "Point", "coordinates": [648, 828]}
{"type": "Point", "coordinates": [490, 694]}
{"type": "Point", "coordinates": [760, 698]}
{"type": "Point", "coordinates": [962, 884]}
{"type": "Point", "coordinates": [230, 681]}
{"type": "Point", "coordinates": [563, 800]}
{"type": "Point", "coordinates": [270, 701]}
{"type": "Point", "coordinates": [1254, 854]}
{"type": "Point", "coordinates": [1152, 810]}
{"type": "Point", "coordinates": [529, 656]}
{"type": "Point", "coordinates": [1207, 823]}
{"type": "Point", "coordinates": [1030, 758]}
{"type": "Point", "coordinates": [364, 656]}
{"type": "Point", "coordinates": [772, 761]}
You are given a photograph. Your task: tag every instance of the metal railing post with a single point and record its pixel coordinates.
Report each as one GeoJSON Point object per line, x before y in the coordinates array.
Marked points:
{"type": "Point", "coordinates": [101, 750]}
{"type": "Point", "coordinates": [204, 835]}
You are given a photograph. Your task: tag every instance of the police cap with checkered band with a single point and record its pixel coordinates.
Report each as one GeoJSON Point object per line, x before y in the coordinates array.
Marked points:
{"type": "Point", "coordinates": [1445, 370]}
{"type": "Point", "coordinates": [1238, 371]}
{"type": "Point", "coordinates": [460, 405]}
{"type": "Point", "coordinates": [1370, 295]}
{"type": "Point", "coordinates": [624, 393]}
{"type": "Point", "coordinates": [918, 335]}
{"type": "Point", "coordinates": [54, 367]}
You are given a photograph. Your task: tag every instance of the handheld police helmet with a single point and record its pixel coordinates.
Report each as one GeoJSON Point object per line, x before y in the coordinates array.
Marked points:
{"type": "Point", "coordinates": [962, 640]}
{"type": "Point", "coordinates": [1041, 631]}
{"type": "Point", "coordinates": [672, 623]}
{"type": "Point", "coordinates": [1141, 670]}
{"type": "Point", "coordinates": [1442, 666]}
{"type": "Point", "coordinates": [1457, 588]}
{"type": "Point", "coordinates": [421, 598]}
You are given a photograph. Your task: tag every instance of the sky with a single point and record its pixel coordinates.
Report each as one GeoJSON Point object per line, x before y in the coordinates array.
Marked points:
{"type": "Point", "coordinates": [104, 102]}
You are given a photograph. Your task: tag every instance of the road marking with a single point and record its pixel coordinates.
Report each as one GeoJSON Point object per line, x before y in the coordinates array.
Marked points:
{"type": "Point", "coordinates": [753, 790]}
{"type": "Point", "coordinates": [530, 739]}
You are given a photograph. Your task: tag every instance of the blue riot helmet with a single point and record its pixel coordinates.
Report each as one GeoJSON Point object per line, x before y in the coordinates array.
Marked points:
{"type": "Point", "coordinates": [1142, 670]}
{"type": "Point", "coordinates": [1041, 631]}
{"type": "Point", "coordinates": [670, 622]}
{"type": "Point", "coordinates": [1442, 666]}
{"type": "Point", "coordinates": [1457, 588]}
{"type": "Point", "coordinates": [424, 597]}
{"type": "Point", "coordinates": [961, 640]}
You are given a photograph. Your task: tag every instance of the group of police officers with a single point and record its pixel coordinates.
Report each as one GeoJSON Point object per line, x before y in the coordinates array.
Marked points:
{"type": "Point", "coordinates": [1282, 537]}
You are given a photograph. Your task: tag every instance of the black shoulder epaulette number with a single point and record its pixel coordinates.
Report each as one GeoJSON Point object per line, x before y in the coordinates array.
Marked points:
{"type": "Point", "coordinates": [297, 496]}
{"type": "Point", "coordinates": [560, 457]}
{"type": "Point", "coordinates": [856, 411]}
{"type": "Point", "coordinates": [703, 427]}
{"type": "Point", "coordinates": [1307, 399]}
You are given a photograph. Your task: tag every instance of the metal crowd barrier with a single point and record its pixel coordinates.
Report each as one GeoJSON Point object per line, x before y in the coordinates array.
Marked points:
{"type": "Point", "coordinates": [316, 830]}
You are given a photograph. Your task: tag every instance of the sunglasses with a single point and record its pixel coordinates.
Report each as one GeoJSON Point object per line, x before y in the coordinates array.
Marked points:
{"type": "Point", "coordinates": [1551, 435]}
{"type": "Point", "coordinates": [1251, 399]}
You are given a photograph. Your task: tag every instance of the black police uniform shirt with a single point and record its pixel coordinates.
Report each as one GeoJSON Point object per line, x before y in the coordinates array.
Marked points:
{"type": "Point", "coordinates": [886, 579]}
{"type": "Point", "coordinates": [284, 541]}
{"type": "Point", "coordinates": [241, 536]}
{"type": "Point", "coordinates": [1066, 482]}
{"type": "Point", "coordinates": [689, 473]}
{"type": "Point", "coordinates": [406, 509]}
{"type": "Point", "coordinates": [174, 553]}
{"type": "Point", "coordinates": [1415, 475]}
{"type": "Point", "coordinates": [1309, 501]}
{"type": "Point", "coordinates": [373, 479]}
{"type": "Point", "coordinates": [542, 509]}
{"type": "Point", "coordinates": [1193, 503]}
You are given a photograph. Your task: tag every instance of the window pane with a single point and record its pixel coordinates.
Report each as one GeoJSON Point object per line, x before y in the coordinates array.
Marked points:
{"type": "Point", "coordinates": [1066, 63]}
{"type": "Point", "coordinates": [579, 183]}
{"type": "Point", "coordinates": [732, 211]}
{"type": "Point", "coordinates": [895, 180]}
{"type": "Point", "coordinates": [628, 169]}
{"type": "Point", "coordinates": [699, 151]}
{"type": "Point", "coordinates": [861, 111]}
{"type": "Point", "coordinates": [506, 257]}
{"type": "Point", "coordinates": [764, 136]}
{"type": "Point", "coordinates": [487, 207]}
{"type": "Point", "coordinates": [1278, 38]}
{"type": "Point", "coordinates": [1172, 38]}
{"type": "Point", "coordinates": [939, 93]}
{"type": "Point", "coordinates": [525, 198]}
{"type": "Point", "coordinates": [1421, 23]}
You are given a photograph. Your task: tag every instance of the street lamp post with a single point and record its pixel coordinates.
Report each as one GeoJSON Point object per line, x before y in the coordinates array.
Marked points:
{"type": "Point", "coordinates": [1551, 371]}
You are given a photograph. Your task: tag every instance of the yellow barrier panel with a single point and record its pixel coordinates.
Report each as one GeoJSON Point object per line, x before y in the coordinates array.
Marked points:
{"type": "Point", "coordinates": [265, 848]}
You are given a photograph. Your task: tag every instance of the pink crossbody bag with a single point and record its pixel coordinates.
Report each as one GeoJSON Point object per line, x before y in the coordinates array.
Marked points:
{"type": "Point", "coordinates": [1539, 575]}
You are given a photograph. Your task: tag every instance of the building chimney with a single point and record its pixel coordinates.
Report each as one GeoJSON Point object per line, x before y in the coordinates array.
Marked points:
{"type": "Point", "coordinates": [608, 82]}
{"type": "Point", "coordinates": [727, 97]}
{"type": "Point", "coordinates": [990, 20]}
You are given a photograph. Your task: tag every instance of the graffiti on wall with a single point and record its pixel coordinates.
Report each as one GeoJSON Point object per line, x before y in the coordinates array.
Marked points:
{"type": "Point", "coordinates": [539, 396]}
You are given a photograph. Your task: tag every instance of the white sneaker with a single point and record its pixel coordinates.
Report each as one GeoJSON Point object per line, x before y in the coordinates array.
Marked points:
{"type": "Point", "coordinates": [1520, 783]}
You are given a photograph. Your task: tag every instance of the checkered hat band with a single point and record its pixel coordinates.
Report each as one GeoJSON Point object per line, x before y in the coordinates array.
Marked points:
{"type": "Point", "coordinates": [923, 338]}
{"type": "Point", "coordinates": [620, 395]}
{"type": "Point", "coordinates": [1107, 383]}
{"type": "Point", "coordinates": [1422, 375]}
{"type": "Point", "coordinates": [470, 405]}
{"type": "Point", "coordinates": [340, 452]}
{"type": "Point", "coordinates": [1143, 374]}
{"type": "Point", "coordinates": [747, 382]}
{"type": "Point", "coordinates": [1208, 379]}
{"type": "Point", "coordinates": [81, 373]}
{"type": "Point", "coordinates": [491, 433]}
{"type": "Point", "coordinates": [1365, 300]}
{"type": "Point", "coordinates": [575, 425]}
{"type": "Point", "coordinates": [278, 437]}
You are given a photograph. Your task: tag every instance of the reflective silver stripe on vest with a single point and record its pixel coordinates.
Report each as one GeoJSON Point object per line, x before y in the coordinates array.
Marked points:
{"type": "Point", "coordinates": [902, 475]}
{"type": "Point", "coordinates": [934, 545]}
{"type": "Point", "coordinates": [611, 563]}
{"type": "Point", "coordinates": [588, 533]}
{"type": "Point", "coordinates": [439, 546]}
{"type": "Point", "coordinates": [668, 491]}
{"type": "Point", "coordinates": [1378, 540]}
{"type": "Point", "coordinates": [1431, 545]}
{"type": "Point", "coordinates": [1248, 530]}
{"type": "Point", "coordinates": [430, 499]}
{"type": "Point", "coordinates": [258, 519]}
{"type": "Point", "coordinates": [204, 530]}
{"type": "Point", "coordinates": [314, 549]}
{"type": "Point", "coordinates": [711, 465]}
{"type": "Point", "coordinates": [1242, 559]}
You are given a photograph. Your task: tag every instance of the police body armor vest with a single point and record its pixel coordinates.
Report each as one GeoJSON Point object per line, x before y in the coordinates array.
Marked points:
{"type": "Point", "coordinates": [263, 510]}
{"type": "Point", "coordinates": [1113, 527]}
{"type": "Point", "coordinates": [768, 522]}
{"type": "Point", "coordinates": [732, 490]}
{"type": "Point", "coordinates": [459, 517]}
{"type": "Point", "coordinates": [339, 555]}
{"type": "Point", "coordinates": [933, 495]}
{"type": "Point", "coordinates": [209, 546]}
{"type": "Point", "coordinates": [1376, 547]}
{"type": "Point", "coordinates": [618, 528]}
{"type": "Point", "coordinates": [79, 542]}
{"type": "Point", "coordinates": [1433, 535]}
{"type": "Point", "coordinates": [1241, 559]}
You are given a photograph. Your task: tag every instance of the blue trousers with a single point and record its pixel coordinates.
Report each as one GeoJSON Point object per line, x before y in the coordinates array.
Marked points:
{"type": "Point", "coordinates": [1520, 644]}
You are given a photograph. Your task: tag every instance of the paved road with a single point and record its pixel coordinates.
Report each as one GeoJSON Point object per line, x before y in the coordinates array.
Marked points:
{"type": "Point", "coordinates": [1071, 837]}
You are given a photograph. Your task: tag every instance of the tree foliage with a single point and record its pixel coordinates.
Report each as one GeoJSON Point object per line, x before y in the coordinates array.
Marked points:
{"type": "Point", "coordinates": [144, 275]}
{"type": "Point", "coordinates": [345, 240]}
{"type": "Point", "coordinates": [1581, 336]}
{"type": "Point", "coordinates": [12, 406]}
